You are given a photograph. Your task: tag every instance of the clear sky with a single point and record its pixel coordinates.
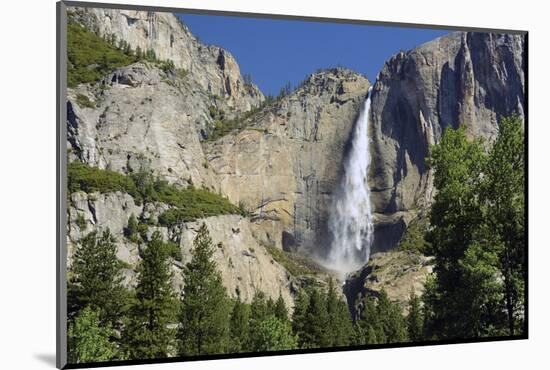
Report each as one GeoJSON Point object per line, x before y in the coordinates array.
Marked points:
{"type": "Point", "coordinates": [275, 52]}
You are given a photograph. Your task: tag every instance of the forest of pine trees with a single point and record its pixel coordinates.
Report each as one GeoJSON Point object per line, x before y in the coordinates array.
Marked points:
{"type": "Point", "coordinates": [110, 322]}
{"type": "Point", "coordinates": [476, 236]}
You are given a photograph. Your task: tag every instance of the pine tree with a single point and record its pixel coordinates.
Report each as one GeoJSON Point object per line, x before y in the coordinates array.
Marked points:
{"type": "Point", "coordinates": [88, 341]}
{"type": "Point", "coordinates": [96, 279]}
{"type": "Point", "coordinates": [259, 309]}
{"type": "Point", "coordinates": [239, 327]}
{"type": "Point", "coordinates": [415, 322]}
{"type": "Point", "coordinates": [148, 333]}
{"type": "Point", "coordinates": [369, 328]}
{"type": "Point", "coordinates": [131, 231]}
{"type": "Point", "coordinates": [280, 310]}
{"type": "Point", "coordinates": [205, 307]}
{"type": "Point", "coordinates": [393, 323]}
{"type": "Point", "coordinates": [272, 334]}
{"type": "Point", "coordinates": [301, 303]}
{"type": "Point", "coordinates": [339, 320]}
{"type": "Point", "coordinates": [315, 328]}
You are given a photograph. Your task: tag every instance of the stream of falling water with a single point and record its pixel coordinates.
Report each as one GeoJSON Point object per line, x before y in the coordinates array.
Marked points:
{"type": "Point", "coordinates": [351, 220]}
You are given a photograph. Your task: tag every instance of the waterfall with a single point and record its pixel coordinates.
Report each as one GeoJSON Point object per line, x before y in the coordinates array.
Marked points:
{"type": "Point", "coordinates": [350, 221]}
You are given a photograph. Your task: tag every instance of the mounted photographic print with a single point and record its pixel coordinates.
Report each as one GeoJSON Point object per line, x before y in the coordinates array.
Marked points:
{"type": "Point", "coordinates": [235, 185]}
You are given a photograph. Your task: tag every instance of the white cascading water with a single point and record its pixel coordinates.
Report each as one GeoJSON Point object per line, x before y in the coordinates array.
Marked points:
{"type": "Point", "coordinates": [351, 221]}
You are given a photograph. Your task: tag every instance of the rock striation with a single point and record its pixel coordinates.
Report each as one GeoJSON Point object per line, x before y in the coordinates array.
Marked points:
{"type": "Point", "coordinates": [285, 166]}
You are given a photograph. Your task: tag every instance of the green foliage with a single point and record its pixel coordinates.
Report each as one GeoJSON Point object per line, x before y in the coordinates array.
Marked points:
{"type": "Point", "coordinates": [88, 341]}
{"type": "Point", "coordinates": [189, 203]}
{"type": "Point", "coordinates": [81, 222]}
{"type": "Point", "coordinates": [131, 230]}
{"type": "Point", "coordinates": [192, 204]}
{"type": "Point", "coordinates": [415, 321]}
{"type": "Point", "coordinates": [314, 333]}
{"type": "Point", "coordinates": [90, 57]}
{"type": "Point", "coordinates": [84, 101]}
{"type": "Point", "coordinates": [339, 321]}
{"type": "Point", "coordinates": [455, 215]}
{"type": "Point", "coordinates": [148, 334]}
{"type": "Point", "coordinates": [239, 327]}
{"type": "Point", "coordinates": [173, 250]}
{"type": "Point", "coordinates": [95, 279]}
{"type": "Point", "coordinates": [477, 236]}
{"type": "Point", "coordinates": [280, 310]}
{"type": "Point", "coordinates": [272, 334]}
{"type": "Point", "coordinates": [380, 321]}
{"type": "Point", "coordinates": [259, 309]}
{"type": "Point", "coordinates": [296, 265]}
{"type": "Point", "coordinates": [414, 238]}
{"type": "Point", "coordinates": [503, 193]}
{"type": "Point", "coordinates": [205, 313]}
{"type": "Point", "coordinates": [223, 126]}
{"type": "Point", "coordinates": [301, 304]}
{"type": "Point", "coordinates": [81, 177]}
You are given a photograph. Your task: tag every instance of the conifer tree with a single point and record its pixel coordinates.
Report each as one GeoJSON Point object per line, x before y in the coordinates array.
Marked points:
{"type": "Point", "coordinates": [88, 341]}
{"type": "Point", "coordinates": [148, 333]}
{"type": "Point", "coordinates": [339, 320]}
{"type": "Point", "coordinates": [280, 310]}
{"type": "Point", "coordinates": [96, 279]}
{"type": "Point", "coordinates": [301, 303]}
{"type": "Point", "coordinates": [239, 327]}
{"type": "Point", "coordinates": [393, 323]}
{"type": "Point", "coordinates": [369, 329]}
{"type": "Point", "coordinates": [205, 313]}
{"type": "Point", "coordinates": [271, 334]}
{"type": "Point", "coordinates": [415, 322]}
{"type": "Point", "coordinates": [259, 309]}
{"type": "Point", "coordinates": [315, 328]}
{"type": "Point", "coordinates": [131, 230]}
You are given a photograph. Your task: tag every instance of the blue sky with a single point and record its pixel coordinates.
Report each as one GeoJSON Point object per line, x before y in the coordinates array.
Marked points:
{"type": "Point", "coordinates": [275, 51]}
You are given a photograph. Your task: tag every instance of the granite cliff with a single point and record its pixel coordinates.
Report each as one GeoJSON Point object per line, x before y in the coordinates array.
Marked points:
{"type": "Point", "coordinates": [462, 78]}
{"type": "Point", "coordinates": [282, 161]}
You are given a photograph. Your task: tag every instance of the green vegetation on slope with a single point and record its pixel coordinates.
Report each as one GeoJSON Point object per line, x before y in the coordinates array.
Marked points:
{"type": "Point", "coordinates": [90, 57]}
{"type": "Point", "coordinates": [81, 177]}
{"type": "Point", "coordinates": [297, 265]}
{"type": "Point", "coordinates": [189, 203]}
{"type": "Point", "coordinates": [414, 238]}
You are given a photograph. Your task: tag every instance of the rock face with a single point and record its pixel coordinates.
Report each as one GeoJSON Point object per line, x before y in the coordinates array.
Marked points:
{"type": "Point", "coordinates": [285, 166]}
{"type": "Point", "coordinates": [210, 67]}
{"type": "Point", "coordinates": [141, 120]}
{"type": "Point", "coordinates": [395, 272]}
{"type": "Point", "coordinates": [245, 265]}
{"type": "Point", "coordinates": [470, 78]}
